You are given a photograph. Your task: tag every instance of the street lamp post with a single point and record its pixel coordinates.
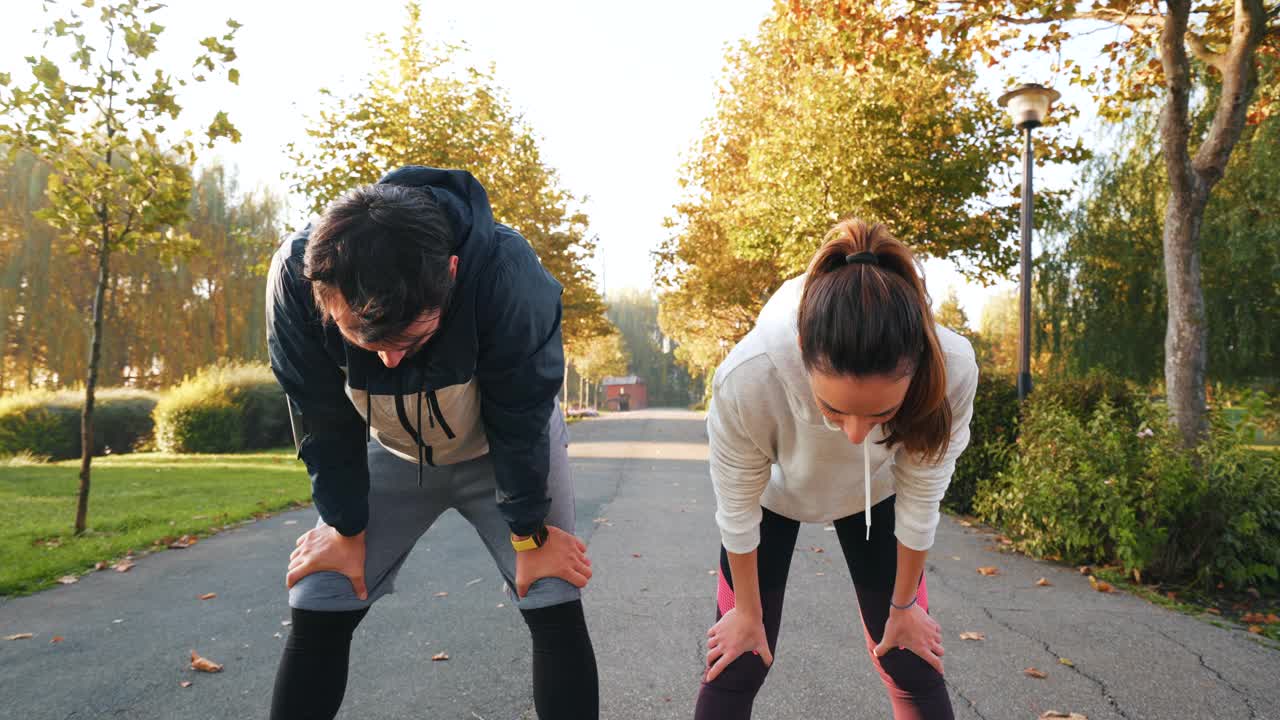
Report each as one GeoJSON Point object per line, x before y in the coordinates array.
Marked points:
{"type": "Point", "coordinates": [1027, 105]}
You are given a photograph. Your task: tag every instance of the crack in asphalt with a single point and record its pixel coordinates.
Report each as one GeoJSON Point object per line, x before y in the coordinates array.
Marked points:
{"type": "Point", "coordinates": [1253, 712]}
{"type": "Point", "coordinates": [1102, 686]}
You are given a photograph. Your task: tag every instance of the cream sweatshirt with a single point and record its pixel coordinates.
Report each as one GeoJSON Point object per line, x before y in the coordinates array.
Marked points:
{"type": "Point", "coordinates": [770, 447]}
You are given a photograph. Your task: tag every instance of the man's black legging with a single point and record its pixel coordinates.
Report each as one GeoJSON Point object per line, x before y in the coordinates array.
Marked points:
{"type": "Point", "coordinates": [916, 690]}
{"type": "Point", "coordinates": [312, 677]}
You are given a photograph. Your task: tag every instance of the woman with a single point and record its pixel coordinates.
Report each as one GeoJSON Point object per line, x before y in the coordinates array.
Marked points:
{"type": "Point", "coordinates": [845, 403]}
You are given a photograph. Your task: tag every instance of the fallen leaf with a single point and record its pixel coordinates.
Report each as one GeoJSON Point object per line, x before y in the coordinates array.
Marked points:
{"type": "Point", "coordinates": [208, 596]}
{"type": "Point", "coordinates": [68, 580]}
{"type": "Point", "coordinates": [1066, 662]}
{"type": "Point", "coordinates": [1044, 582]}
{"type": "Point", "coordinates": [1172, 595]}
{"type": "Point", "coordinates": [1032, 672]}
{"type": "Point", "coordinates": [502, 605]}
{"type": "Point", "coordinates": [183, 542]}
{"type": "Point", "coordinates": [711, 572]}
{"type": "Point", "coordinates": [439, 657]}
{"type": "Point", "coordinates": [1004, 540]}
{"type": "Point", "coordinates": [820, 574]}
{"type": "Point", "coordinates": [972, 636]}
{"type": "Point", "coordinates": [1055, 715]}
{"type": "Point", "coordinates": [1255, 629]}
{"type": "Point", "coordinates": [473, 582]}
{"type": "Point", "coordinates": [185, 684]}
{"type": "Point", "coordinates": [1100, 585]}
{"type": "Point", "coordinates": [1137, 576]}
{"type": "Point", "coordinates": [1213, 611]}
{"type": "Point", "coordinates": [19, 636]}
{"type": "Point", "coordinates": [966, 523]}
{"type": "Point", "coordinates": [204, 664]}
{"type": "Point", "coordinates": [56, 639]}
{"type": "Point", "coordinates": [123, 566]}
{"type": "Point", "coordinates": [100, 566]}
{"type": "Point", "coordinates": [988, 570]}
{"type": "Point", "coordinates": [1085, 570]}
{"type": "Point", "coordinates": [955, 557]}
{"type": "Point", "coordinates": [600, 520]}
{"type": "Point", "coordinates": [816, 549]}
{"type": "Point", "coordinates": [442, 594]}
{"type": "Point", "coordinates": [290, 522]}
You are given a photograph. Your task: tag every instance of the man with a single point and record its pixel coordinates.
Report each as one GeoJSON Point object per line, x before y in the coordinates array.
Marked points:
{"type": "Point", "coordinates": [421, 342]}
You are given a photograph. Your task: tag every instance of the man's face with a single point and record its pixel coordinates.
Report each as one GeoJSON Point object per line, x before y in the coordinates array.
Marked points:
{"type": "Point", "coordinates": [391, 353]}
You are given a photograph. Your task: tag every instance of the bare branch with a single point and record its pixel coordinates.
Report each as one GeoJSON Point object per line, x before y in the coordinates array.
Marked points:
{"type": "Point", "coordinates": [1130, 20]}
{"type": "Point", "coordinates": [1239, 80]}
{"type": "Point", "coordinates": [1200, 49]}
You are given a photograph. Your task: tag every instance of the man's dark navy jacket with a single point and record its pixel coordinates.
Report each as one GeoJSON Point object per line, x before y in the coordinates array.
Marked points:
{"type": "Point", "coordinates": [486, 382]}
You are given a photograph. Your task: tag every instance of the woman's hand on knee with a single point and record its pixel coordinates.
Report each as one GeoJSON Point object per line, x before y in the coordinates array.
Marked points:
{"type": "Point", "coordinates": [912, 629]}
{"type": "Point", "coordinates": [562, 556]}
{"type": "Point", "coordinates": [734, 634]}
{"type": "Point", "coordinates": [325, 549]}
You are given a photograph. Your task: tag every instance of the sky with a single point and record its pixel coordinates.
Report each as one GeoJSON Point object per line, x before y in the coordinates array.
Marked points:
{"type": "Point", "coordinates": [617, 92]}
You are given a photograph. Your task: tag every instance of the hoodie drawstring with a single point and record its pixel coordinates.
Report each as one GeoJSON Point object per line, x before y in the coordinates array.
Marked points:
{"type": "Point", "coordinates": [418, 438]}
{"type": "Point", "coordinates": [368, 417]}
{"type": "Point", "coordinates": [866, 479]}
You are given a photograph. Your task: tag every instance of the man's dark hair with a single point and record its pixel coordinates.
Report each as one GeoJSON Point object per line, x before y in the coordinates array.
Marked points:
{"type": "Point", "coordinates": [383, 250]}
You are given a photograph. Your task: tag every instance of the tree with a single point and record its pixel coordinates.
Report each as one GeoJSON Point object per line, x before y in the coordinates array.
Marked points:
{"type": "Point", "coordinates": [635, 314]}
{"type": "Point", "coordinates": [119, 178]}
{"type": "Point", "coordinates": [1173, 52]}
{"type": "Point", "coordinates": [424, 105]}
{"type": "Point", "coordinates": [950, 315]}
{"type": "Point", "coordinates": [603, 356]}
{"type": "Point", "coordinates": [816, 122]}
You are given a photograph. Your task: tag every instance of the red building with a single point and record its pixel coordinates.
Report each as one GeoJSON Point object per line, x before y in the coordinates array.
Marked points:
{"type": "Point", "coordinates": [625, 393]}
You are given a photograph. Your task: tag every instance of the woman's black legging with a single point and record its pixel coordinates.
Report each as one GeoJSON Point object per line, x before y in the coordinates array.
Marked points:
{"type": "Point", "coordinates": [916, 690]}
{"type": "Point", "coordinates": [312, 677]}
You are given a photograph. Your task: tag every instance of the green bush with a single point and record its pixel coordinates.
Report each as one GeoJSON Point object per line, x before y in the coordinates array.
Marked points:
{"type": "Point", "coordinates": [46, 423]}
{"type": "Point", "coordinates": [223, 408]}
{"type": "Point", "coordinates": [1104, 490]}
{"type": "Point", "coordinates": [992, 432]}
{"type": "Point", "coordinates": [1081, 396]}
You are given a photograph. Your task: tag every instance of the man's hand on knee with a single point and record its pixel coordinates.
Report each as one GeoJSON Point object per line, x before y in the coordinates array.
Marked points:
{"type": "Point", "coordinates": [562, 556]}
{"type": "Point", "coordinates": [324, 548]}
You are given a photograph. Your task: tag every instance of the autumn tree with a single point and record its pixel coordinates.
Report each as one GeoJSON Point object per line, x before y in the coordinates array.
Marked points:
{"type": "Point", "coordinates": [426, 104]}
{"type": "Point", "coordinates": [1175, 53]}
{"type": "Point", "coordinates": [603, 356]}
{"type": "Point", "coordinates": [119, 172]}
{"type": "Point", "coordinates": [815, 122]}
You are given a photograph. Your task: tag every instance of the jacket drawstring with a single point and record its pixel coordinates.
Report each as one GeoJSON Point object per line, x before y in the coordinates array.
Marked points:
{"type": "Point", "coordinates": [417, 438]}
{"type": "Point", "coordinates": [368, 417]}
{"type": "Point", "coordinates": [866, 479]}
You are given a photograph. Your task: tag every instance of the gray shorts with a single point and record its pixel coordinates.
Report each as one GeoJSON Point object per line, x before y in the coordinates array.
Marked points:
{"type": "Point", "coordinates": [400, 512]}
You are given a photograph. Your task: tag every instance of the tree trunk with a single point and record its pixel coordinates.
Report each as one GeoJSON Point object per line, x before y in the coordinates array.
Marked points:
{"type": "Point", "coordinates": [1185, 343]}
{"type": "Point", "coordinates": [1191, 179]}
{"type": "Point", "coordinates": [95, 353]}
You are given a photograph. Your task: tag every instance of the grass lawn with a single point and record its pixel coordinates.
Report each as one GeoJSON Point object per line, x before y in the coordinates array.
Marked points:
{"type": "Point", "coordinates": [136, 502]}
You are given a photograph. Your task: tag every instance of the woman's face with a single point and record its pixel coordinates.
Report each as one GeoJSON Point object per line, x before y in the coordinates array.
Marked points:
{"type": "Point", "coordinates": [854, 406]}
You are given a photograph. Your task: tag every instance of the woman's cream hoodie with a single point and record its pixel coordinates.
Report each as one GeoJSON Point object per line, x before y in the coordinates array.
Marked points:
{"type": "Point", "coordinates": [770, 447]}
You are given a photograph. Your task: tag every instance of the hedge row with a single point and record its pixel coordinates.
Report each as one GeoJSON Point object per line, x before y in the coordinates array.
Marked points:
{"type": "Point", "coordinates": [224, 408]}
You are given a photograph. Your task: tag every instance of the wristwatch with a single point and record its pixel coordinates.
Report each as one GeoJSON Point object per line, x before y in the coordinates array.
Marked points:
{"type": "Point", "coordinates": [533, 542]}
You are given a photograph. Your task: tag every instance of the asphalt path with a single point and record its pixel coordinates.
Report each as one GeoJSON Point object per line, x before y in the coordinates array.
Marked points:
{"type": "Point", "coordinates": [645, 506]}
